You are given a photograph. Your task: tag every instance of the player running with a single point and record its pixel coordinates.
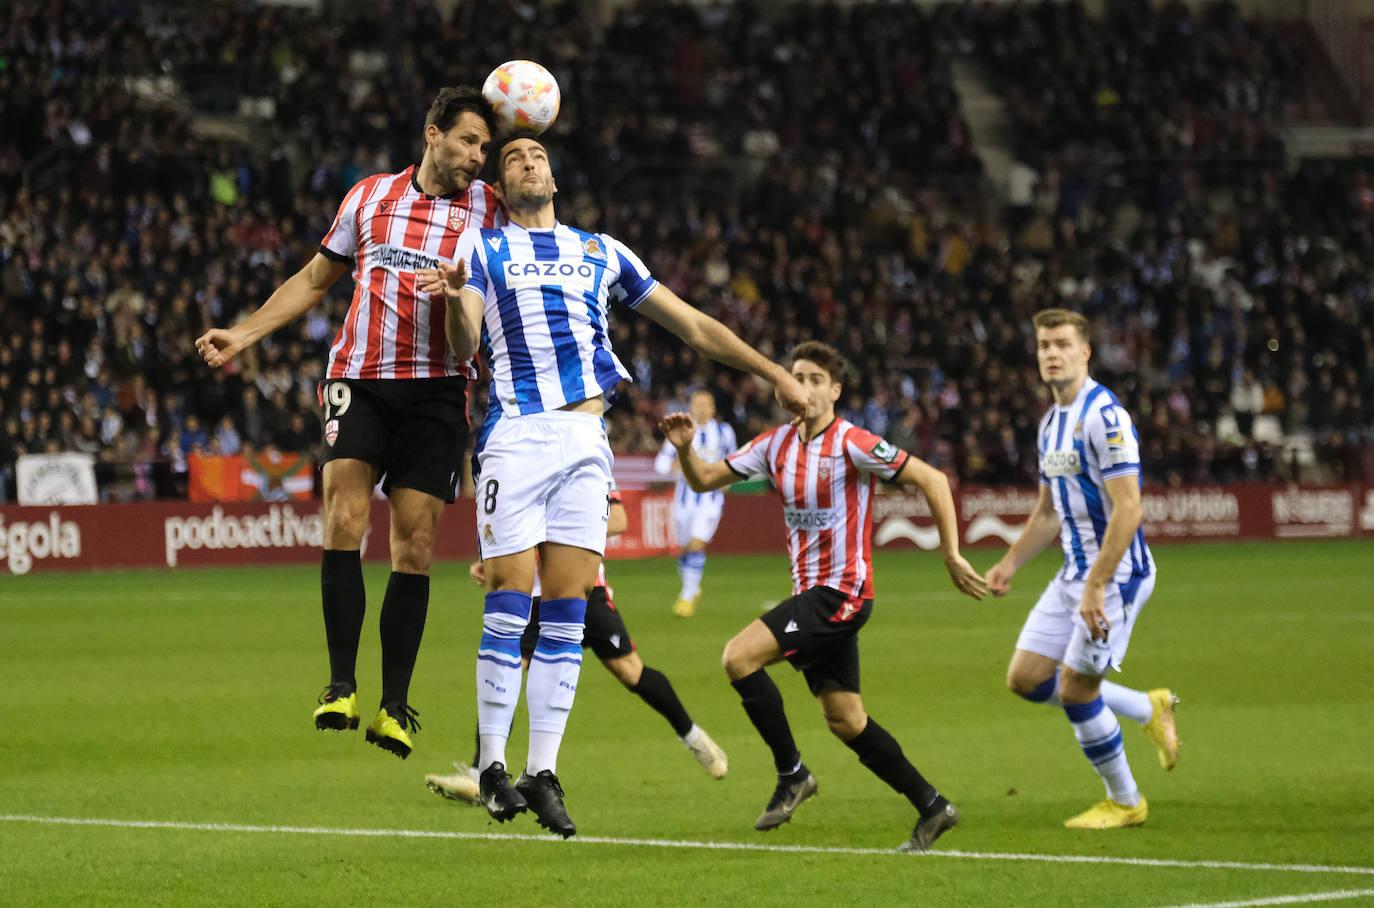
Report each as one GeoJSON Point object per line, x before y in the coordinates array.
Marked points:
{"type": "Point", "coordinates": [825, 469]}
{"type": "Point", "coordinates": [1080, 628]}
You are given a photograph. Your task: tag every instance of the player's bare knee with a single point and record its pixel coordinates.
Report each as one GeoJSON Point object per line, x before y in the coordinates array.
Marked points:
{"type": "Point", "coordinates": [846, 726]}
{"type": "Point", "coordinates": [344, 526]}
{"type": "Point", "coordinates": [736, 663]}
{"type": "Point", "coordinates": [414, 554]}
{"type": "Point", "coordinates": [1077, 688]}
{"type": "Point", "coordinates": [1019, 684]}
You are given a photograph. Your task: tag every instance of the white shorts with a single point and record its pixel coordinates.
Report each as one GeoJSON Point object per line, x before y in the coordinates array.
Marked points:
{"type": "Point", "coordinates": [545, 477]}
{"type": "Point", "coordinates": [697, 519]}
{"type": "Point", "coordinates": [1055, 629]}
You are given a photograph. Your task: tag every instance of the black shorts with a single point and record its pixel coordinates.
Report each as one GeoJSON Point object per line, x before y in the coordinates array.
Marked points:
{"type": "Point", "coordinates": [605, 633]}
{"type": "Point", "coordinates": [412, 429]}
{"type": "Point", "coordinates": [818, 632]}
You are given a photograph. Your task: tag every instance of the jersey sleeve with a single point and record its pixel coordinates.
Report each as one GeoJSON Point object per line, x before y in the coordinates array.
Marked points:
{"type": "Point", "coordinates": [752, 459]}
{"type": "Point", "coordinates": [1112, 437]}
{"type": "Point", "coordinates": [470, 250]}
{"type": "Point", "coordinates": [873, 453]}
{"type": "Point", "coordinates": [633, 281]}
{"type": "Point", "coordinates": [341, 242]}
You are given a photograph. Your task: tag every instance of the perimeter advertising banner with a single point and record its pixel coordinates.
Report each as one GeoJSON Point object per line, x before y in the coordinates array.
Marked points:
{"type": "Point", "coordinates": [187, 534]}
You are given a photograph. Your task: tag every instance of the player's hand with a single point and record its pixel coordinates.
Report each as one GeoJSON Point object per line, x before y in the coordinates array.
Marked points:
{"type": "Point", "coordinates": [791, 395]}
{"type": "Point", "coordinates": [218, 345]}
{"type": "Point", "coordinates": [678, 428]}
{"type": "Point", "coordinates": [999, 578]}
{"type": "Point", "coordinates": [965, 578]}
{"type": "Point", "coordinates": [1093, 611]}
{"type": "Point", "coordinates": [478, 573]}
{"type": "Point", "coordinates": [446, 279]}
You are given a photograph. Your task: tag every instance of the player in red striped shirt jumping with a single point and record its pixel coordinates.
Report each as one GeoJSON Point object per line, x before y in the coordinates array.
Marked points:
{"type": "Point", "coordinates": [394, 397]}
{"type": "Point", "coordinates": [824, 469]}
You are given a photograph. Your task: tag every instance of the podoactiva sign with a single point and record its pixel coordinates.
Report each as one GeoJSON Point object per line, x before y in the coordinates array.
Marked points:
{"type": "Point", "coordinates": [183, 534]}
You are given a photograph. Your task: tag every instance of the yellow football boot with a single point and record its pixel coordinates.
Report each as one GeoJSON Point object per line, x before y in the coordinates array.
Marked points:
{"type": "Point", "coordinates": [337, 711]}
{"type": "Point", "coordinates": [1110, 815]}
{"type": "Point", "coordinates": [389, 732]}
{"type": "Point", "coordinates": [1161, 729]}
{"type": "Point", "coordinates": [461, 786]}
{"type": "Point", "coordinates": [686, 608]}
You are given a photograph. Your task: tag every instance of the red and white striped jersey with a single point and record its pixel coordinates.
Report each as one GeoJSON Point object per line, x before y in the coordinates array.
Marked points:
{"type": "Point", "coordinates": [390, 229]}
{"type": "Point", "coordinates": [826, 486]}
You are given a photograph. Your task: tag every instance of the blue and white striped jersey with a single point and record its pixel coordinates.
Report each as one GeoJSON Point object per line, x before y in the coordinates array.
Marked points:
{"type": "Point", "coordinates": [547, 295]}
{"type": "Point", "coordinates": [1081, 446]}
{"type": "Point", "coordinates": [714, 441]}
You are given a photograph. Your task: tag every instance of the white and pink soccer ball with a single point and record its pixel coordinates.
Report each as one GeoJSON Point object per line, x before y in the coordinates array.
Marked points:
{"type": "Point", "coordinates": [524, 94]}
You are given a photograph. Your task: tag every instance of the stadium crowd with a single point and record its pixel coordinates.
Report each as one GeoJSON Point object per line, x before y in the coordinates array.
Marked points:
{"type": "Point", "coordinates": [810, 176]}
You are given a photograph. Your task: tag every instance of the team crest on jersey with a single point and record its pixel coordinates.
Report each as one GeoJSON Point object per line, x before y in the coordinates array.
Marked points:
{"type": "Point", "coordinates": [884, 451]}
{"type": "Point", "coordinates": [823, 471]}
{"type": "Point", "coordinates": [457, 219]}
{"type": "Point", "coordinates": [331, 432]}
{"type": "Point", "coordinates": [593, 248]}
{"type": "Point", "coordinates": [1078, 431]}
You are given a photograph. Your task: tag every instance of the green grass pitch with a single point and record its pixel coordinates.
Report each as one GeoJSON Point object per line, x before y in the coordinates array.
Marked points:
{"type": "Point", "coordinates": [182, 700]}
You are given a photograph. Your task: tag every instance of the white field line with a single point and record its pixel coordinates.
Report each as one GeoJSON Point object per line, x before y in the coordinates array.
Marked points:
{"type": "Point", "coordinates": [1338, 895]}
{"type": "Point", "coordinates": [682, 843]}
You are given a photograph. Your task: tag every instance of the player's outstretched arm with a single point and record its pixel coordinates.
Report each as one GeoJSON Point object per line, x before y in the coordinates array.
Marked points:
{"type": "Point", "coordinates": [700, 475]}
{"type": "Point", "coordinates": [710, 338]}
{"type": "Point", "coordinates": [935, 486]}
{"type": "Point", "coordinates": [1041, 529]}
{"type": "Point", "coordinates": [294, 298]}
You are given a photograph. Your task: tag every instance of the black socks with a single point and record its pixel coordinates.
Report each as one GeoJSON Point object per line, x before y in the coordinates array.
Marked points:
{"type": "Point", "coordinates": [655, 689]}
{"type": "Point", "coordinates": [763, 704]}
{"type": "Point", "coordinates": [402, 625]}
{"type": "Point", "coordinates": [341, 588]}
{"type": "Point", "coordinates": [883, 756]}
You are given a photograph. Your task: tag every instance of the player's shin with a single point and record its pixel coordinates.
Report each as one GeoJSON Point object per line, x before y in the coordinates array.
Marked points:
{"type": "Point", "coordinates": [498, 671]}
{"type": "Point", "coordinates": [883, 756]}
{"type": "Point", "coordinates": [1099, 735]}
{"type": "Point", "coordinates": [402, 625]}
{"type": "Point", "coordinates": [341, 588]}
{"type": "Point", "coordinates": [552, 686]}
{"type": "Point", "coordinates": [763, 703]}
{"type": "Point", "coordinates": [690, 566]}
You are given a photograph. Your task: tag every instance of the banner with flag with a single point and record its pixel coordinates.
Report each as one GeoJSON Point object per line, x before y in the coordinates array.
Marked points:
{"type": "Point", "coordinates": [260, 476]}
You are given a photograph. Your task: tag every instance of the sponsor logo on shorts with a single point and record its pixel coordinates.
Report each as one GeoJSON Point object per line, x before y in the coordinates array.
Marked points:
{"type": "Point", "coordinates": [331, 431]}
{"type": "Point", "coordinates": [615, 640]}
{"type": "Point", "coordinates": [791, 628]}
{"type": "Point", "coordinates": [488, 537]}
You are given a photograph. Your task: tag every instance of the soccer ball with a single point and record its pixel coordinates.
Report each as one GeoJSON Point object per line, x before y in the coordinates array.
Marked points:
{"type": "Point", "coordinates": [524, 94]}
